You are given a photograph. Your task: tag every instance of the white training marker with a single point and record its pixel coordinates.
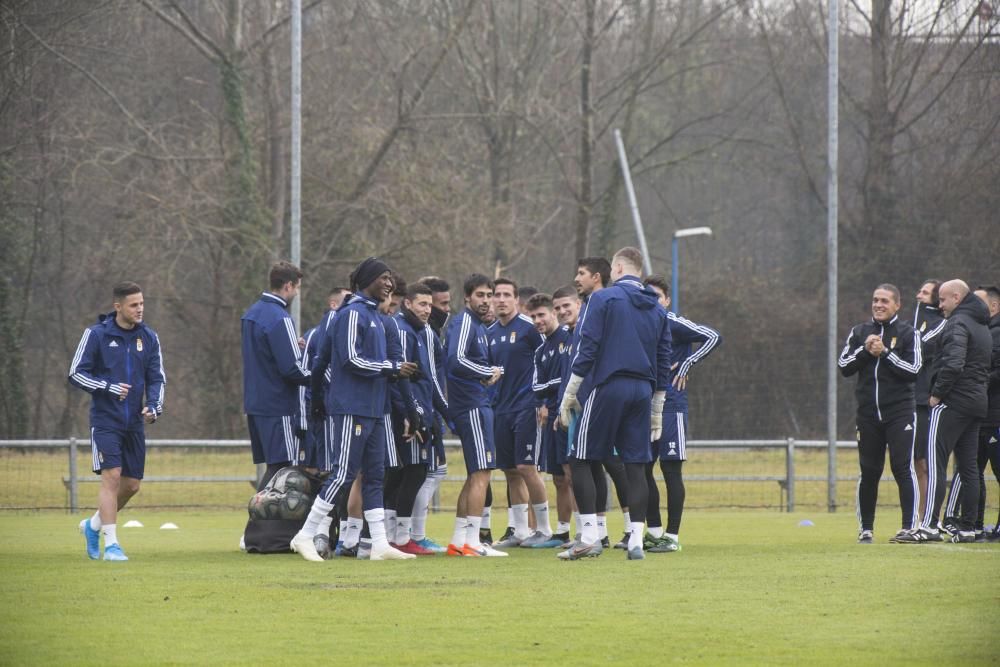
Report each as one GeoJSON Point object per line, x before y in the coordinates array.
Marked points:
{"type": "Point", "coordinates": [133, 524]}
{"type": "Point", "coordinates": [168, 526]}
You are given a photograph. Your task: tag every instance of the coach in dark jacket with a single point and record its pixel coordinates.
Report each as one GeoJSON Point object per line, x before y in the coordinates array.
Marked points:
{"type": "Point", "coordinates": [989, 430]}
{"type": "Point", "coordinates": [885, 354]}
{"type": "Point", "coordinates": [958, 404]}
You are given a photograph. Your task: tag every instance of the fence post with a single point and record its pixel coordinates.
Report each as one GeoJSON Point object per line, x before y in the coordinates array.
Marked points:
{"type": "Point", "coordinates": [74, 488]}
{"type": "Point", "coordinates": [790, 473]}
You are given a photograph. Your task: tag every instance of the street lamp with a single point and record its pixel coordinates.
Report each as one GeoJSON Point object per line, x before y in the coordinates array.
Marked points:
{"type": "Point", "coordinates": [675, 297]}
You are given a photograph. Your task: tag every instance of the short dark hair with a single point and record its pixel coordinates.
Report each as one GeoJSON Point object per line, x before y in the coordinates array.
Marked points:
{"type": "Point", "coordinates": [506, 281]}
{"type": "Point", "coordinates": [525, 292]}
{"type": "Point", "coordinates": [539, 300]}
{"type": "Point", "coordinates": [935, 288]}
{"type": "Point", "coordinates": [889, 287]}
{"type": "Point", "coordinates": [476, 280]}
{"type": "Point", "coordinates": [631, 255]}
{"type": "Point", "coordinates": [398, 285]}
{"type": "Point", "coordinates": [418, 289]}
{"type": "Point", "coordinates": [124, 289]}
{"type": "Point", "coordinates": [436, 284]}
{"type": "Point", "coordinates": [565, 291]}
{"type": "Point", "coordinates": [337, 291]}
{"type": "Point", "coordinates": [992, 291]}
{"type": "Point", "coordinates": [658, 280]}
{"type": "Point", "coordinates": [597, 265]}
{"type": "Point", "coordinates": [284, 272]}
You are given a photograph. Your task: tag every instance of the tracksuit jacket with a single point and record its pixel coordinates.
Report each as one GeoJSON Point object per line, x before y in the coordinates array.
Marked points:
{"type": "Point", "coordinates": [418, 343]}
{"type": "Point", "coordinates": [625, 334]}
{"type": "Point", "coordinates": [993, 414]}
{"type": "Point", "coordinates": [885, 383]}
{"type": "Point", "coordinates": [684, 333]}
{"type": "Point", "coordinates": [928, 321]}
{"type": "Point", "coordinates": [355, 351]}
{"type": "Point", "coordinates": [468, 363]}
{"type": "Point", "coordinates": [961, 370]}
{"type": "Point", "coordinates": [512, 347]}
{"type": "Point", "coordinates": [272, 361]}
{"type": "Point", "coordinates": [109, 356]}
{"type": "Point", "coordinates": [548, 367]}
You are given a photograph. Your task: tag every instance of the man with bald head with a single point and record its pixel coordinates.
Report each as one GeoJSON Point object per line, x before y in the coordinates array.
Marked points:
{"type": "Point", "coordinates": [958, 405]}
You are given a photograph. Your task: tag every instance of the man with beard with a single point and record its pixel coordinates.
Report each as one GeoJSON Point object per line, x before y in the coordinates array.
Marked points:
{"type": "Point", "coordinates": [928, 322]}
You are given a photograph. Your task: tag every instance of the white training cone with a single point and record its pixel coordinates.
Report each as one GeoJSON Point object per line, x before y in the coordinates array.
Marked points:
{"type": "Point", "coordinates": [133, 524]}
{"type": "Point", "coordinates": [168, 526]}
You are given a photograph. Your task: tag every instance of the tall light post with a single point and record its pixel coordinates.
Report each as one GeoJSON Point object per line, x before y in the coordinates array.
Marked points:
{"type": "Point", "coordinates": [675, 297]}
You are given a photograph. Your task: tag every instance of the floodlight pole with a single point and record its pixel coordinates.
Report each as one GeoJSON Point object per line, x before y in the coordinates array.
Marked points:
{"type": "Point", "coordinates": [296, 150]}
{"type": "Point", "coordinates": [675, 273]}
{"type": "Point", "coordinates": [833, 58]}
{"type": "Point", "coordinates": [633, 204]}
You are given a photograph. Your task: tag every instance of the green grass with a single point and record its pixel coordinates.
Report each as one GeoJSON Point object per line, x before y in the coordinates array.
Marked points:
{"type": "Point", "coordinates": [749, 587]}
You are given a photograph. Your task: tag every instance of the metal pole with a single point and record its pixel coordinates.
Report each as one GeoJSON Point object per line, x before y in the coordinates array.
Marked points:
{"type": "Point", "coordinates": [296, 185]}
{"type": "Point", "coordinates": [675, 278]}
{"type": "Point", "coordinates": [627, 176]}
{"type": "Point", "coordinates": [74, 485]}
{"type": "Point", "coordinates": [790, 473]}
{"type": "Point", "coordinates": [833, 59]}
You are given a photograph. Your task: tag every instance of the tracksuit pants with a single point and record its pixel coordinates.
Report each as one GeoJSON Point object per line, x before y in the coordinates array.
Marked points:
{"type": "Point", "coordinates": [874, 437]}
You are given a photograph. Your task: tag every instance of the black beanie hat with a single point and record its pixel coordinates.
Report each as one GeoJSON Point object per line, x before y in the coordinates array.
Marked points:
{"type": "Point", "coordinates": [367, 272]}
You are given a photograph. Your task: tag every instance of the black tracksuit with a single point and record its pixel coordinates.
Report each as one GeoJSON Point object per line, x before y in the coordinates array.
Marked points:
{"type": "Point", "coordinates": [961, 373]}
{"type": "Point", "coordinates": [928, 322]}
{"type": "Point", "coordinates": [884, 393]}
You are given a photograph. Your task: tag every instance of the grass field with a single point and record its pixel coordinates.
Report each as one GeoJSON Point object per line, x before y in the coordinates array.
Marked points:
{"type": "Point", "coordinates": [748, 587]}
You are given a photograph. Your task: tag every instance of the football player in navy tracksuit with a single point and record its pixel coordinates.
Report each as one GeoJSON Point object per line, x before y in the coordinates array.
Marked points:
{"type": "Point", "coordinates": [671, 448]}
{"type": "Point", "coordinates": [119, 363]}
{"type": "Point", "coordinates": [356, 351]}
{"type": "Point", "coordinates": [885, 354]}
{"type": "Point", "coordinates": [469, 374]}
{"type": "Point", "coordinates": [416, 408]}
{"type": "Point", "coordinates": [272, 373]}
{"type": "Point", "coordinates": [513, 341]}
{"type": "Point", "coordinates": [928, 322]}
{"type": "Point", "coordinates": [625, 353]}
{"type": "Point", "coordinates": [545, 381]}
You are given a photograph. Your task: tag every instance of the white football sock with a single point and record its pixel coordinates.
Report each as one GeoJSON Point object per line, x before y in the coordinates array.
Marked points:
{"type": "Point", "coordinates": [656, 531]}
{"type": "Point", "coordinates": [671, 536]}
{"type": "Point", "coordinates": [578, 522]}
{"type": "Point", "coordinates": [628, 522]}
{"type": "Point", "coordinates": [95, 521]}
{"type": "Point", "coordinates": [542, 518]}
{"type": "Point", "coordinates": [324, 526]}
{"type": "Point", "coordinates": [511, 523]}
{"type": "Point", "coordinates": [376, 526]}
{"type": "Point", "coordinates": [458, 535]}
{"type": "Point", "coordinates": [320, 509]}
{"type": "Point", "coordinates": [588, 532]}
{"type": "Point", "coordinates": [403, 529]}
{"type": "Point", "coordinates": [390, 522]}
{"type": "Point", "coordinates": [353, 532]}
{"type": "Point", "coordinates": [521, 529]}
{"type": "Point", "coordinates": [110, 533]}
{"type": "Point", "coordinates": [602, 526]}
{"type": "Point", "coordinates": [487, 516]}
{"type": "Point", "coordinates": [343, 529]}
{"type": "Point", "coordinates": [562, 527]}
{"type": "Point", "coordinates": [472, 530]}
{"type": "Point", "coordinates": [635, 534]}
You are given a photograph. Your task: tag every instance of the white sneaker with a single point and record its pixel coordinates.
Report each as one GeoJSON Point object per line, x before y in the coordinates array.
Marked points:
{"type": "Point", "coordinates": [389, 553]}
{"type": "Point", "coordinates": [493, 553]}
{"type": "Point", "coordinates": [303, 546]}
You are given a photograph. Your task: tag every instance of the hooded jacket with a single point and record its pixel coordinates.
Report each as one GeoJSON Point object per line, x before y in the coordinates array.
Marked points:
{"type": "Point", "coordinates": [885, 383]}
{"type": "Point", "coordinates": [272, 360]}
{"type": "Point", "coordinates": [961, 370]}
{"type": "Point", "coordinates": [625, 334]}
{"type": "Point", "coordinates": [993, 416]}
{"type": "Point", "coordinates": [109, 356]}
{"type": "Point", "coordinates": [928, 322]}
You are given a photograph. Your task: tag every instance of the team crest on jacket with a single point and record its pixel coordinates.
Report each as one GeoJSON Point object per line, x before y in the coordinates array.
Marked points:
{"type": "Point", "coordinates": [513, 337]}
{"type": "Point", "coordinates": [562, 346]}
{"type": "Point", "coordinates": [892, 343]}
{"type": "Point", "coordinates": [357, 430]}
{"type": "Point", "coordinates": [923, 326]}
{"type": "Point", "coordinates": [138, 345]}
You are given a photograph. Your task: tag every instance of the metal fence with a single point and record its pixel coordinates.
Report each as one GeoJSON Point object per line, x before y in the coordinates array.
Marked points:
{"type": "Point", "coordinates": [49, 474]}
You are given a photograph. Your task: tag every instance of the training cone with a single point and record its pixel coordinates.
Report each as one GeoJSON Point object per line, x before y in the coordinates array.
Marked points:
{"type": "Point", "coordinates": [168, 526]}
{"type": "Point", "coordinates": [806, 522]}
{"type": "Point", "coordinates": [133, 524]}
